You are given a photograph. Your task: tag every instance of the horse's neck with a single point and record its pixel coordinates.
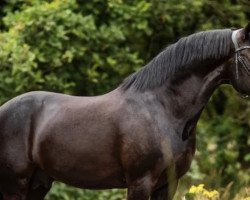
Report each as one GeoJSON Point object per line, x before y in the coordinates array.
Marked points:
{"type": "Point", "coordinates": [189, 95]}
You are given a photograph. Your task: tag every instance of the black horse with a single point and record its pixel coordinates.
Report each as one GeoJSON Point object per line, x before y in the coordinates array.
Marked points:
{"type": "Point", "coordinates": [139, 136]}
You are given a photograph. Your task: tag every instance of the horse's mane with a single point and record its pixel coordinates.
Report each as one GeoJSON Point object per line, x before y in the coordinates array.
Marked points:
{"type": "Point", "coordinates": [187, 52]}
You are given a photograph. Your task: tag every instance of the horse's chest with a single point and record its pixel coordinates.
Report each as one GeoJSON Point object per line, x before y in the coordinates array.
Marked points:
{"type": "Point", "coordinates": [184, 157]}
{"type": "Point", "coordinates": [178, 153]}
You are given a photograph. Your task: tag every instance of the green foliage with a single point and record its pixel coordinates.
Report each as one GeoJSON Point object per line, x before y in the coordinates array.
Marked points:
{"type": "Point", "coordinates": [52, 46]}
{"type": "Point", "coordinates": [88, 47]}
{"type": "Point", "coordinates": [61, 191]}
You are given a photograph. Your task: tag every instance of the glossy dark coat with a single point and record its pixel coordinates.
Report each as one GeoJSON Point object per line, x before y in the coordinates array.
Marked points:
{"type": "Point", "coordinates": [139, 136]}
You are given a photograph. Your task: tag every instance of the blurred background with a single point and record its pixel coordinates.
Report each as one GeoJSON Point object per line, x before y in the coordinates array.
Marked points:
{"type": "Point", "coordinates": [87, 47]}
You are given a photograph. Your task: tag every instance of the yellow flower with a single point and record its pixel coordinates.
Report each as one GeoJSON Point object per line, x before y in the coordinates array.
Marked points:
{"type": "Point", "coordinates": [196, 189]}
{"type": "Point", "coordinates": [248, 198]}
{"type": "Point", "coordinates": [200, 190]}
{"type": "Point", "coordinates": [211, 194]}
{"type": "Point", "coordinates": [192, 190]}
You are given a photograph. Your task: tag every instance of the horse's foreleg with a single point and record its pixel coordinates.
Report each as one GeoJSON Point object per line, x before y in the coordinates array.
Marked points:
{"type": "Point", "coordinates": [39, 186]}
{"type": "Point", "coordinates": [139, 192]}
{"type": "Point", "coordinates": [165, 192]}
{"type": "Point", "coordinates": [38, 193]}
{"type": "Point", "coordinates": [140, 189]}
{"type": "Point", "coordinates": [160, 194]}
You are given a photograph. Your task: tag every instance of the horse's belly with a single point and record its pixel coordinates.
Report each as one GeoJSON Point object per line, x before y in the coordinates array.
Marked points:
{"type": "Point", "coordinates": [89, 180]}
{"type": "Point", "coordinates": [89, 176]}
{"type": "Point", "coordinates": [82, 165]}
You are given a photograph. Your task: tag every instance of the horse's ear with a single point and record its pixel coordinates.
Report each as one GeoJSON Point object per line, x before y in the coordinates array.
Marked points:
{"type": "Point", "coordinates": [247, 30]}
{"type": "Point", "coordinates": [244, 33]}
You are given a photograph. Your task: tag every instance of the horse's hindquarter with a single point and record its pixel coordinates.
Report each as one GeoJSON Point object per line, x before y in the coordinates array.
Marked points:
{"type": "Point", "coordinates": [15, 123]}
{"type": "Point", "coordinates": [75, 142]}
